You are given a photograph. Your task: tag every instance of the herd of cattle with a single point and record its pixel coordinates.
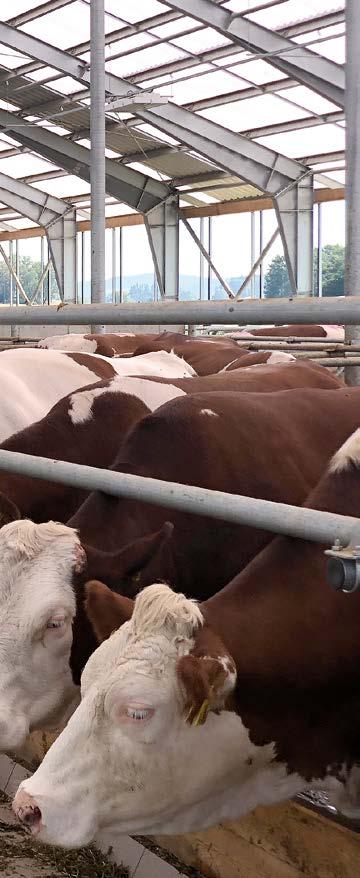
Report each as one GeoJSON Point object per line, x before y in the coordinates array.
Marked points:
{"type": "Point", "coordinates": [198, 668]}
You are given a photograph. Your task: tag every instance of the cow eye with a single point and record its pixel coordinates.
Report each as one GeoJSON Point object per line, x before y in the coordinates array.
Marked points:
{"type": "Point", "coordinates": [56, 623]}
{"type": "Point", "coordinates": [137, 713]}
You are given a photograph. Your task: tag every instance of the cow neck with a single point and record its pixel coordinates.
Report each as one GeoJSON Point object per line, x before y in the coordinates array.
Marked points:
{"type": "Point", "coordinates": [296, 645]}
{"type": "Point", "coordinates": [84, 641]}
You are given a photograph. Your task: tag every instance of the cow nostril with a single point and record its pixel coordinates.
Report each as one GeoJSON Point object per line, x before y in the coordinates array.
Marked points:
{"type": "Point", "coordinates": [32, 817]}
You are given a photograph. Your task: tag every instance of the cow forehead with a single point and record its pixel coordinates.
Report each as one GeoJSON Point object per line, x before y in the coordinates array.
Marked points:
{"type": "Point", "coordinates": [36, 563]}
{"type": "Point", "coordinates": [125, 656]}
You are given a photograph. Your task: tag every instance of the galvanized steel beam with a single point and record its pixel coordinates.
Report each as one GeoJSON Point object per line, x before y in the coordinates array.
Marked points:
{"type": "Point", "coordinates": [299, 309]}
{"type": "Point", "coordinates": [262, 167]}
{"type": "Point", "coordinates": [293, 521]}
{"type": "Point", "coordinates": [135, 189]}
{"type": "Point", "coordinates": [59, 220]}
{"type": "Point", "coordinates": [162, 227]}
{"type": "Point", "coordinates": [318, 73]}
{"type": "Point", "coordinates": [352, 254]}
{"type": "Point", "coordinates": [97, 152]}
{"type": "Point", "coordinates": [271, 172]}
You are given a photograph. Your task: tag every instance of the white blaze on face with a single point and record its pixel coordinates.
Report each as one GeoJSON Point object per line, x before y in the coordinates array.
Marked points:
{"type": "Point", "coordinates": [128, 762]}
{"type": "Point", "coordinates": [151, 393]}
{"type": "Point", "coordinates": [37, 606]}
{"type": "Point", "coordinates": [334, 331]}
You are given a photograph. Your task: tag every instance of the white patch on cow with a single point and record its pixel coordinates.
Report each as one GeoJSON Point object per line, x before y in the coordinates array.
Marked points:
{"type": "Point", "coordinates": [33, 380]}
{"type": "Point", "coordinates": [209, 412]}
{"type": "Point", "coordinates": [128, 761]}
{"type": "Point", "coordinates": [348, 454]}
{"type": "Point", "coordinates": [160, 364]}
{"type": "Point", "coordinates": [70, 342]}
{"type": "Point", "coordinates": [280, 357]}
{"type": "Point", "coordinates": [151, 393]}
{"type": "Point", "coordinates": [37, 606]}
{"type": "Point", "coordinates": [254, 366]}
{"type": "Point", "coordinates": [334, 331]}
{"type": "Point", "coordinates": [225, 368]}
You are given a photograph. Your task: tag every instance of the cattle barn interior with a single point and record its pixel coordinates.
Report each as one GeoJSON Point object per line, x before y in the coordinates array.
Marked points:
{"type": "Point", "coordinates": [179, 438]}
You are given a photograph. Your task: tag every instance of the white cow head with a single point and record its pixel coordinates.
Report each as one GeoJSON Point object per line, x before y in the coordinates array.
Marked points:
{"type": "Point", "coordinates": [37, 607]}
{"type": "Point", "coordinates": [137, 756]}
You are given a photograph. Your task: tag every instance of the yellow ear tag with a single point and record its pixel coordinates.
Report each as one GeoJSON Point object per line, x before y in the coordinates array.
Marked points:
{"type": "Point", "coordinates": [201, 715]}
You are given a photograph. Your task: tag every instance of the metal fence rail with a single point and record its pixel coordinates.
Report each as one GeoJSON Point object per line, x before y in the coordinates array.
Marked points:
{"type": "Point", "coordinates": [293, 521]}
{"type": "Point", "coordinates": [298, 309]}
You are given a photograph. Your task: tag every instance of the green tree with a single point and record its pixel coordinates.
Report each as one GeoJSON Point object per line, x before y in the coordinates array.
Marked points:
{"type": "Point", "coordinates": [277, 279]}
{"type": "Point", "coordinates": [333, 267]}
{"type": "Point", "coordinates": [333, 270]}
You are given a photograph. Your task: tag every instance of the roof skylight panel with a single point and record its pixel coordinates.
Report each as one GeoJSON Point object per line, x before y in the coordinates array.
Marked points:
{"type": "Point", "coordinates": [144, 59]}
{"type": "Point", "coordinates": [201, 41]}
{"type": "Point", "coordinates": [308, 99]}
{"type": "Point", "coordinates": [171, 28]}
{"type": "Point", "coordinates": [253, 112]}
{"type": "Point", "coordinates": [306, 141]}
{"type": "Point", "coordinates": [62, 27]}
{"type": "Point", "coordinates": [11, 58]}
{"type": "Point", "coordinates": [137, 10]}
{"type": "Point", "coordinates": [217, 82]}
{"type": "Point", "coordinates": [292, 11]}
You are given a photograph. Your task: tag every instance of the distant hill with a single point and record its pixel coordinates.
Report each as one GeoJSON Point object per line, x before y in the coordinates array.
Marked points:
{"type": "Point", "coordinates": [140, 287]}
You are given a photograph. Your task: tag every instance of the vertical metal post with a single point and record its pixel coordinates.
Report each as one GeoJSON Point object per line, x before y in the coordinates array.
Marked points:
{"type": "Point", "coordinates": [42, 263]}
{"type": "Point", "coordinates": [210, 254]}
{"type": "Point", "coordinates": [261, 247]}
{"type": "Point", "coordinates": [17, 267]}
{"type": "Point", "coordinates": [11, 257]}
{"type": "Point", "coordinates": [113, 265]}
{"type": "Point", "coordinates": [320, 255]}
{"type": "Point", "coordinates": [82, 266]}
{"type": "Point", "coordinates": [97, 136]}
{"type": "Point", "coordinates": [121, 264]}
{"type": "Point", "coordinates": [202, 261]}
{"type": "Point", "coordinates": [253, 253]}
{"type": "Point", "coordinates": [352, 110]}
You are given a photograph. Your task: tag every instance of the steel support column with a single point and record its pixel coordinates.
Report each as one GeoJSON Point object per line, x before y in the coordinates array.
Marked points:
{"type": "Point", "coordinates": [97, 154]}
{"type": "Point", "coordinates": [352, 257]}
{"type": "Point", "coordinates": [59, 220]}
{"type": "Point", "coordinates": [294, 210]}
{"type": "Point", "coordinates": [162, 226]}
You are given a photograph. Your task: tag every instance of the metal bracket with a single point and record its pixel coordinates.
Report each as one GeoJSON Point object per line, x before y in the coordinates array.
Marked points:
{"type": "Point", "coordinates": [343, 568]}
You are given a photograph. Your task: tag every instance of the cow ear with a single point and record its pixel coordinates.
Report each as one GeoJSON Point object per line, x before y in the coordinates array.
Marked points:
{"type": "Point", "coordinates": [105, 610]}
{"type": "Point", "coordinates": [8, 511]}
{"type": "Point", "coordinates": [207, 682]}
{"type": "Point", "coordinates": [131, 559]}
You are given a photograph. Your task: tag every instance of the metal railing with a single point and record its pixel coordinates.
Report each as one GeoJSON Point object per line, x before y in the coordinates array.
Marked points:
{"type": "Point", "coordinates": [292, 521]}
{"type": "Point", "coordinates": [299, 309]}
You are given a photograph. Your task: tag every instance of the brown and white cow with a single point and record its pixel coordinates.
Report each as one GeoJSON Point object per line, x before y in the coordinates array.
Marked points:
{"type": "Point", "coordinates": [45, 637]}
{"type": "Point", "coordinates": [32, 380]}
{"type": "Point", "coordinates": [89, 426]}
{"type": "Point", "coordinates": [109, 344]}
{"type": "Point", "coordinates": [334, 332]}
{"type": "Point", "coordinates": [192, 715]}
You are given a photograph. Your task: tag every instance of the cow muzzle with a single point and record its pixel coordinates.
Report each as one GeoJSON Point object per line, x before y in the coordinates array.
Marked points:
{"type": "Point", "coordinates": [28, 812]}
{"type": "Point", "coordinates": [14, 731]}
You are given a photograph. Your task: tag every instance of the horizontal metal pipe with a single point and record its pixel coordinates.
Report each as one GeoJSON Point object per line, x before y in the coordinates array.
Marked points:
{"type": "Point", "coordinates": [336, 361]}
{"type": "Point", "coordinates": [284, 345]}
{"type": "Point", "coordinates": [293, 521]}
{"type": "Point", "coordinates": [300, 309]}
